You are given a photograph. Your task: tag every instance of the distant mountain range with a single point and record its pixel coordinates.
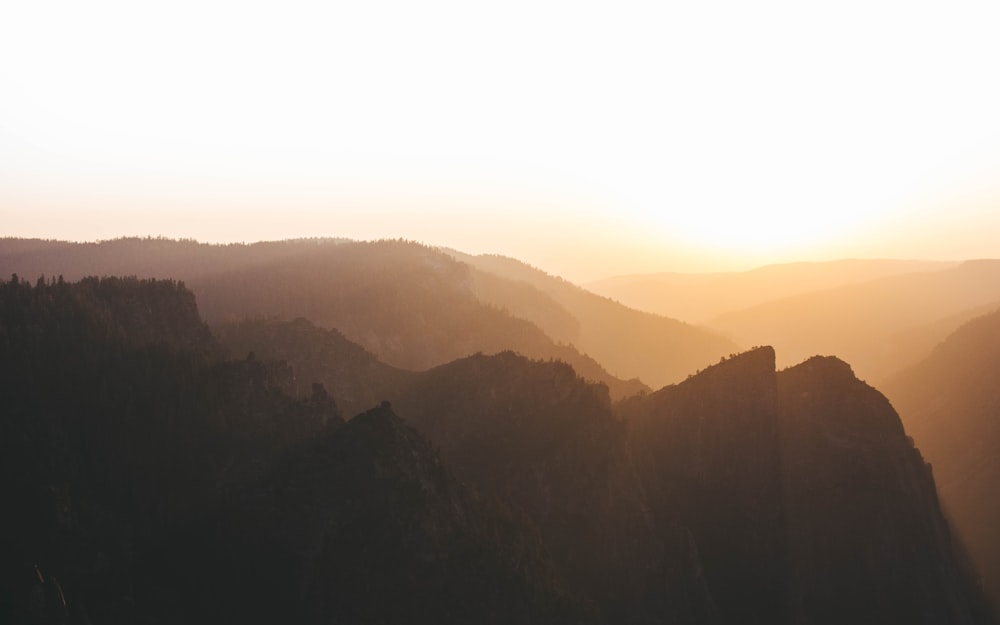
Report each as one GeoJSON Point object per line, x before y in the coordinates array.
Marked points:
{"type": "Point", "coordinates": [148, 477]}
{"type": "Point", "coordinates": [701, 297]}
{"type": "Point", "coordinates": [657, 349]}
{"type": "Point", "coordinates": [860, 322]}
{"type": "Point", "coordinates": [880, 315]}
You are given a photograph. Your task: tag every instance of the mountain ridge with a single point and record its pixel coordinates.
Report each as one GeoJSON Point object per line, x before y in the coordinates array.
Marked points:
{"type": "Point", "coordinates": [153, 482]}
{"type": "Point", "coordinates": [656, 349]}
{"type": "Point", "coordinates": [700, 297]}
{"type": "Point", "coordinates": [405, 302]}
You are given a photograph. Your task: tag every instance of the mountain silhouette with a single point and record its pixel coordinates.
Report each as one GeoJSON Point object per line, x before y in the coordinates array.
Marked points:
{"type": "Point", "coordinates": [701, 297]}
{"type": "Point", "coordinates": [348, 372]}
{"type": "Point", "coordinates": [155, 473]}
{"type": "Point", "coordinates": [118, 424]}
{"type": "Point", "coordinates": [363, 524]}
{"type": "Point", "coordinates": [859, 323]}
{"type": "Point", "coordinates": [537, 436]}
{"type": "Point", "coordinates": [806, 499]}
{"type": "Point", "coordinates": [408, 304]}
{"type": "Point", "coordinates": [630, 343]}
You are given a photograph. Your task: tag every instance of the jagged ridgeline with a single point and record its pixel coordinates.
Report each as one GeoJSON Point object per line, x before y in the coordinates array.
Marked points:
{"type": "Point", "coordinates": [413, 306]}
{"type": "Point", "coordinates": [150, 478]}
{"type": "Point", "coordinates": [805, 498]}
{"type": "Point", "coordinates": [148, 481]}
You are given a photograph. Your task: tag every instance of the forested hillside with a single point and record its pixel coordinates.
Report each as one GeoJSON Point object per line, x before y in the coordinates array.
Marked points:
{"type": "Point", "coordinates": [118, 426]}
{"type": "Point", "coordinates": [412, 306]}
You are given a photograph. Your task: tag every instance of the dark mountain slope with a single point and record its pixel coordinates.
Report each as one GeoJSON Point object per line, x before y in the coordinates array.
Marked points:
{"type": "Point", "coordinates": [352, 375]}
{"type": "Point", "coordinates": [707, 450]}
{"type": "Point", "coordinates": [116, 424]}
{"type": "Point", "coordinates": [867, 542]}
{"type": "Point", "coordinates": [127, 311]}
{"type": "Point", "coordinates": [117, 448]}
{"type": "Point", "coordinates": [858, 322]}
{"type": "Point", "coordinates": [629, 343]}
{"type": "Point", "coordinates": [363, 525]}
{"type": "Point", "coordinates": [146, 480]}
{"type": "Point", "coordinates": [410, 305]}
{"type": "Point", "coordinates": [950, 403]}
{"type": "Point", "coordinates": [807, 501]}
{"type": "Point", "coordinates": [536, 435]}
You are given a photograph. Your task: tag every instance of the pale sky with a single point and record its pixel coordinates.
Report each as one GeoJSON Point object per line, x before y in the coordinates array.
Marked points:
{"type": "Point", "coordinates": [588, 139]}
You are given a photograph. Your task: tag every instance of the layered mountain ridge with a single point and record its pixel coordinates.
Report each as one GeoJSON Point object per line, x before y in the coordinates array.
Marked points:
{"type": "Point", "coordinates": [160, 482]}
{"type": "Point", "coordinates": [862, 322]}
{"type": "Point", "coordinates": [412, 306]}
{"type": "Point", "coordinates": [657, 349]}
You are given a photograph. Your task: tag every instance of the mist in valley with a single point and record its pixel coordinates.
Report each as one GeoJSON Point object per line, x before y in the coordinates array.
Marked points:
{"type": "Point", "coordinates": [397, 313]}
{"type": "Point", "coordinates": [327, 430]}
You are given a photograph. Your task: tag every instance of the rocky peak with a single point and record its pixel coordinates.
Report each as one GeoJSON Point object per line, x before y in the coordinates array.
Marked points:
{"type": "Point", "coordinates": [824, 390]}
{"type": "Point", "coordinates": [866, 539]}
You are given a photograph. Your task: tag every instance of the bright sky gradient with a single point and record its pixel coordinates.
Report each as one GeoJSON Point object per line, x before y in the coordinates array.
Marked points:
{"type": "Point", "coordinates": [586, 138]}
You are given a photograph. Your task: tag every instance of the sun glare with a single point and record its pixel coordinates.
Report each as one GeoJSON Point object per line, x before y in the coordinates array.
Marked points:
{"type": "Point", "coordinates": [755, 230]}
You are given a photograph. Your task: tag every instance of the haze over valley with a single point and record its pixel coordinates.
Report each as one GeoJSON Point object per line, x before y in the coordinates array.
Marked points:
{"type": "Point", "coordinates": [396, 313]}
{"type": "Point", "coordinates": [644, 469]}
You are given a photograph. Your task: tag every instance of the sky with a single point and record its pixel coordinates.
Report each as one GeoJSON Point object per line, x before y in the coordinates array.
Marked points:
{"type": "Point", "coordinates": [589, 139]}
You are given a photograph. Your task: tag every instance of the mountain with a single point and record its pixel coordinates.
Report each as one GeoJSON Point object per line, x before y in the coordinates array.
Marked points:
{"type": "Point", "coordinates": [867, 539]}
{"type": "Point", "coordinates": [707, 453]}
{"type": "Point", "coordinates": [363, 524]}
{"type": "Point", "coordinates": [539, 437]}
{"type": "Point", "coordinates": [699, 298]}
{"type": "Point", "coordinates": [118, 424]}
{"type": "Point", "coordinates": [148, 478]}
{"type": "Point", "coordinates": [909, 346]}
{"type": "Point", "coordinates": [950, 403]}
{"type": "Point", "coordinates": [629, 343]}
{"type": "Point", "coordinates": [806, 500]}
{"type": "Point", "coordinates": [750, 495]}
{"type": "Point", "coordinates": [411, 306]}
{"type": "Point", "coordinates": [859, 322]}
{"type": "Point", "coordinates": [354, 377]}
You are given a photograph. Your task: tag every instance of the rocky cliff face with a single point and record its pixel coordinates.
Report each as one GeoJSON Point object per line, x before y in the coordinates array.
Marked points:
{"type": "Point", "coordinates": [805, 498]}
{"type": "Point", "coordinates": [708, 454]}
{"type": "Point", "coordinates": [866, 539]}
{"type": "Point", "coordinates": [537, 436]}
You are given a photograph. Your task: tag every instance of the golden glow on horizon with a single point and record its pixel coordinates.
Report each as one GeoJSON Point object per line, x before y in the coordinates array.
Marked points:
{"type": "Point", "coordinates": [585, 139]}
{"type": "Point", "coordinates": [759, 229]}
